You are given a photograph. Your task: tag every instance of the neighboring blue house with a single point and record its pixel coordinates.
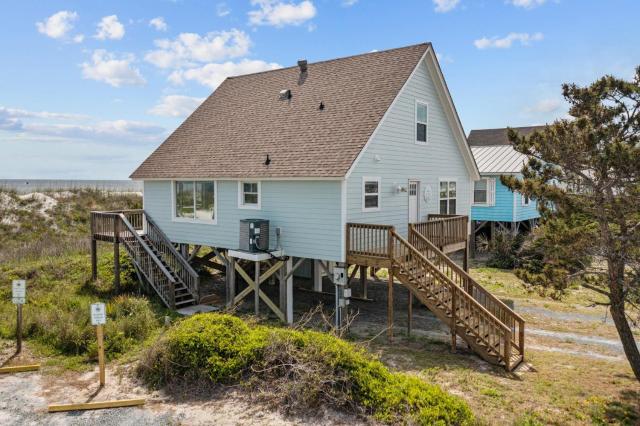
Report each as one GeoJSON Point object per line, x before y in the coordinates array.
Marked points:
{"type": "Point", "coordinates": [494, 205]}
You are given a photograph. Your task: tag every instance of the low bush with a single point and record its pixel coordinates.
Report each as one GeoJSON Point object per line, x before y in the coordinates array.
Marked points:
{"type": "Point", "coordinates": [503, 249]}
{"type": "Point", "coordinates": [298, 369]}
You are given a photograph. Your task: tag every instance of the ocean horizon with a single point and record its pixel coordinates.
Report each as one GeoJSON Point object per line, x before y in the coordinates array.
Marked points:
{"type": "Point", "coordinates": [24, 186]}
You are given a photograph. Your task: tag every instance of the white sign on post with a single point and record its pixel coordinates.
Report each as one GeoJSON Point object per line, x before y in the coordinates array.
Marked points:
{"type": "Point", "coordinates": [98, 314]}
{"type": "Point", "coordinates": [19, 292]}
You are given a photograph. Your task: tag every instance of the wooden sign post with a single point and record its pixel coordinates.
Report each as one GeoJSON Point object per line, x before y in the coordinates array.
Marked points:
{"type": "Point", "coordinates": [99, 318]}
{"type": "Point", "coordinates": [19, 296]}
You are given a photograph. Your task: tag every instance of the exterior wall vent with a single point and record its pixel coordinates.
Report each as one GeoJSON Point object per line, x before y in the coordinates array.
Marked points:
{"type": "Point", "coordinates": [285, 94]}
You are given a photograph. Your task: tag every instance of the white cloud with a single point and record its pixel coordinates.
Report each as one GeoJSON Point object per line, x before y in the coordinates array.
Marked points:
{"type": "Point", "coordinates": [279, 13]}
{"type": "Point", "coordinates": [73, 146]}
{"type": "Point", "coordinates": [176, 106]}
{"type": "Point", "coordinates": [78, 38]}
{"type": "Point", "coordinates": [349, 3]}
{"type": "Point", "coordinates": [212, 75]}
{"type": "Point", "coordinates": [188, 49]}
{"type": "Point", "coordinates": [76, 126]}
{"type": "Point", "coordinates": [443, 6]}
{"type": "Point", "coordinates": [525, 39]}
{"type": "Point", "coordinates": [57, 25]}
{"type": "Point", "coordinates": [222, 10]}
{"type": "Point", "coordinates": [158, 23]}
{"type": "Point", "coordinates": [442, 58]}
{"type": "Point", "coordinates": [545, 106]}
{"type": "Point", "coordinates": [106, 67]}
{"type": "Point", "coordinates": [110, 28]}
{"type": "Point", "coordinates": [23, 113]}
{"type": "Point", "coordinates": [527, 4]}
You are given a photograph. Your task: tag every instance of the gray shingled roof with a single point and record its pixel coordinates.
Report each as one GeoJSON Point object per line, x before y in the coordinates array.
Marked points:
{"type": "Point", "coordinates": [244, 120]}
{"type": "Point", "coordinates": [488, 137]}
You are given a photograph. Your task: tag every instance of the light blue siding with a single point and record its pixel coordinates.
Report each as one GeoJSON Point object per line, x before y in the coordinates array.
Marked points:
{"type": "Point", "coordinates": [504, 209]}
{"type": "Point", "coordinates": [309, 213]}
{"type": "Point", "coordinates": [394, 156]}
{"type": "Point", "coordinates": [526, 212]}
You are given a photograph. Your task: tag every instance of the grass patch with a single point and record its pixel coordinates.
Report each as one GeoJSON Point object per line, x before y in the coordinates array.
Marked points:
{"type": "Point", "coordinates": [299, 370]}
{"type": "Point", "coordinates": [56, 316]}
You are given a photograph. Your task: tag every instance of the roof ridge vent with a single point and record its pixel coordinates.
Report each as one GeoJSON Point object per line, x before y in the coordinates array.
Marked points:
{"type": "Point", "coordinates": [302, 64]}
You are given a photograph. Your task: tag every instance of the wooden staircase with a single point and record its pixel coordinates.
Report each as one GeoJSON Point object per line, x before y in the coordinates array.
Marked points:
{"type": "Point", "coordinates": [485, 323]}
{"type": "Point", "coordinates": [156, 261]}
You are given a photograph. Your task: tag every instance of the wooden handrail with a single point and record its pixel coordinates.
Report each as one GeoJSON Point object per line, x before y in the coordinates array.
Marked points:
{"type": "Point", "coordinates": [444, 230]}
{"type": "Point", "coordinates": [146, 248]}
{"type": "Point", "coordinates": [366, 239]}
{"type": "Point", "coordinates": [141, 253]}
{"type": "Point", "coordinates": [179, 264]}
{"type": "Point", "coordinates": [495, 335]}
{"type": "Point", "coordinates": [459, 276]}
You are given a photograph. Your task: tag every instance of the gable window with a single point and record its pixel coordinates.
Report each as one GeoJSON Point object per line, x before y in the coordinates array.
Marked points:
{"type": "Point", "coordinates": [484, 192]}
{"type": "Point", "coordinates": [422, 113]}
{"type": "Point", "coordinates": [447, 197]}
{"type": "Point", "coordinates": [195, 200]}
{"type": "Point", "coordinates": [370, 194]}
{"type": "Point", "coordinates": [249, 195]}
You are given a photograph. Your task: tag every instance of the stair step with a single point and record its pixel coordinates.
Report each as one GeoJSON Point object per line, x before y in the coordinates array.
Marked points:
{"type": "Point", "coordinates": [185, 302]}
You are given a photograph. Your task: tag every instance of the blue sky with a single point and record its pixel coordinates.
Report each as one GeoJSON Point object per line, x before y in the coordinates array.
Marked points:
{"type": "Point", "coordinates": [89, 89]}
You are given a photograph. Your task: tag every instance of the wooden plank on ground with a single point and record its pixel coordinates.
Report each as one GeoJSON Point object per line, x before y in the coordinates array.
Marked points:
{"type": "Point", "coordinates": [96, 405]}
{"type": "Point", "coordinates": [19, 368]}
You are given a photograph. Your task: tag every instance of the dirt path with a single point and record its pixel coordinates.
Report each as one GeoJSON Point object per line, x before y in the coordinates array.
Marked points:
{"type": "Point", "coordinates": [24, 398]}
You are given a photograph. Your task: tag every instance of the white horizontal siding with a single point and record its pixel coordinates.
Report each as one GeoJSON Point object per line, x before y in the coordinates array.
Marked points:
{"type": "Point", "coordinates": [308, 212]}
{"type": "Point", "coordinates": [402, 159]}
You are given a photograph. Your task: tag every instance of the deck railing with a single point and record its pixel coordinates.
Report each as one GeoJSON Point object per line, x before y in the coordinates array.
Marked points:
{"type": "Point", "coordinates": [462, 279]}
{"type": "Point", "coordinates": [129, 227]}
{"type": "Point", "coordinates": [444, 230]}
{"type": "Point", "coordinates": [463, 309]}
{"type": "Point", "coordinates": [148, 263]}
{"type": "Point", "coordinates": [170, 255]}
{"type": "Point", "coordinates": [368, 240]}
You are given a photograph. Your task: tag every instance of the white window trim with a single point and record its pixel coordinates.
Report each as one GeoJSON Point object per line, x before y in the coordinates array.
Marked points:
{"type": "Point", "coordinates": [175, 218]}
{"type": "Point", "coordinates": [523, 202]}
{"type": "Point", "coordinates": [445, 179]}
{"type": "Point", "coordinates": [415, 122]}
{"type": "Point", "coordinates": [372, 179]}
{"type": "Point", "coordinates": [241, 204]}
{"type": "Point", "coordinates": [491, 193]}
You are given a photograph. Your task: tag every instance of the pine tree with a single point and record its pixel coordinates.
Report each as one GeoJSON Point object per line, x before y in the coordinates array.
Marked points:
{"type": "Point", "coordinates": [588, 166]}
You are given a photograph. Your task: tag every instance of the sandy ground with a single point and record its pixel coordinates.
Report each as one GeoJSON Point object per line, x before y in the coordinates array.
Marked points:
{"type": "Point", "coordinates": [24, 398]}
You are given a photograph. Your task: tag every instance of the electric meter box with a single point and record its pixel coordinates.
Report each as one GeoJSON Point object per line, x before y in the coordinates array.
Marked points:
{"type": "Point", "coordinates": [254, 235]}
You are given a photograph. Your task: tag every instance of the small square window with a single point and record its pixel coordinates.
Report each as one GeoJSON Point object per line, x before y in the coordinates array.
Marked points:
{"type": "Point", "coordinates": [249, 195]}
{"type": "Point", "coordinates": [371, 194]}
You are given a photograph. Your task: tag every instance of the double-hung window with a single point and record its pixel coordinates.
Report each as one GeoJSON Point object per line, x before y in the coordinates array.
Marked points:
{"type": "Point", "coordinates": [484, 192]}
{"type": "Point", "coordinates": [370, 194]}
{"type": "Point", "coordinates": [447, 197]}
{"type": "Point", "coordinates": [195, 200]}
{"type": "Point", "coordinates": [422, 116]}
{"type": "Point", "coordinates": [249, 195]}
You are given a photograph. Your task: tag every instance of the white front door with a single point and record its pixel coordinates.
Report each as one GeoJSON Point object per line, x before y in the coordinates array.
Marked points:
{"type": "Point", "coordinates": [414, 205]}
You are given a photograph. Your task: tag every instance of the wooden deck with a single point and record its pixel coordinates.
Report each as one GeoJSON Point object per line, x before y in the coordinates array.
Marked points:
{"type": "Point", "coordinates": [156, 261]}
{"type": "Point", "coordinates": [420, 263]}
{"type": "Point", "coordinates": [369, 244]}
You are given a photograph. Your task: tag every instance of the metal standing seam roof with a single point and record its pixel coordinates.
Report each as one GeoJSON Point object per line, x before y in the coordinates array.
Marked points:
{"type": "Point", "coordinates": [498, 159]}
{"type": "Point", "coordinates": [234, 130]}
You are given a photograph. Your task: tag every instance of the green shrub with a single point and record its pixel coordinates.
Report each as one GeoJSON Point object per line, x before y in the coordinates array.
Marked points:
{"type": "Point", "coordinates": [298, 369]}
{"type": "Point", "coordinates": [59, 294]}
